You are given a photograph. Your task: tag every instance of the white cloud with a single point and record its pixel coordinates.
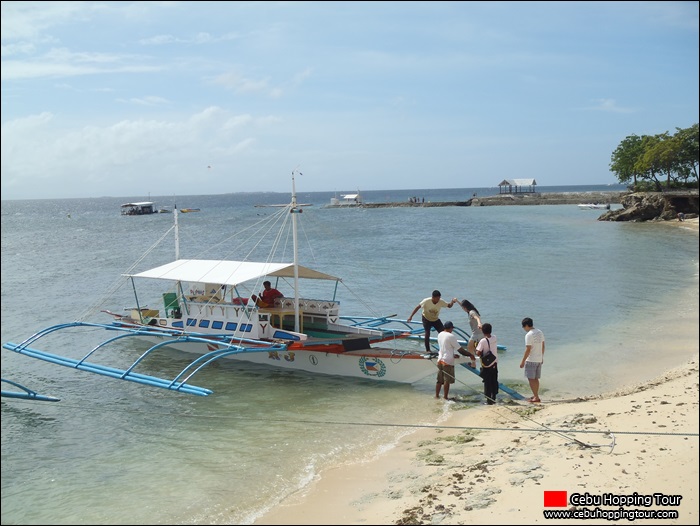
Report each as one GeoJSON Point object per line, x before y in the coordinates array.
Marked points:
{"type": "Point", "coordinates": [609, 105]}
{"type": "Point", "coordinates": [115, 159]}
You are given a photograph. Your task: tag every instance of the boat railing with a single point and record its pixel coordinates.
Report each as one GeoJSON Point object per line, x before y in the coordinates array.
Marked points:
{"type": "Point", "coordinates": [309, 305]}
{"type": "Point", "coordinates": [399, 327]}
{"type": "Point", "coordinates": [411, 330]}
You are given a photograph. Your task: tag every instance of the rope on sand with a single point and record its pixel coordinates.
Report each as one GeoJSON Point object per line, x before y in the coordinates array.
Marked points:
{"type": "Point", "coordinates": [545, 427]}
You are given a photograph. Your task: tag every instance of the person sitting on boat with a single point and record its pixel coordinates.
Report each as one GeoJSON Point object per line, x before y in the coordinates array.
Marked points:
{"type": "Point", "coordinates": [267, 296]}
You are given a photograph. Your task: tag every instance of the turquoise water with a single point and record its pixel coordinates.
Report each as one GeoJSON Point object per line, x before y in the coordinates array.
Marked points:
{"type": "Point", "coordinates": [605, 294]}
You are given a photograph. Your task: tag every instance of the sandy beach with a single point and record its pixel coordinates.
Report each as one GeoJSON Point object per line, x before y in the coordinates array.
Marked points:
{"type": "Point", "coordinates": [499, 464]}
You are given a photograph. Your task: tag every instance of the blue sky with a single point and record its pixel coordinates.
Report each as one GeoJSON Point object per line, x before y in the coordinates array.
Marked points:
{"type": "Point", "coordinates": [181, 98]}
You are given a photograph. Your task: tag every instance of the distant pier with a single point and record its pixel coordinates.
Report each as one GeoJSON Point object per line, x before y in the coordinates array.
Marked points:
{"type": "Point", "coordinates": [409, 204]}
{"type": "Point", "coordinates": [533, 198]}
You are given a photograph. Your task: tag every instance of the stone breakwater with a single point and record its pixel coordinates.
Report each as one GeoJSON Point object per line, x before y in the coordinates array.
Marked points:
{"type": "Point", "coordinates": [563, 198]}
{"type": "Point", "coordinates": [409, 204]}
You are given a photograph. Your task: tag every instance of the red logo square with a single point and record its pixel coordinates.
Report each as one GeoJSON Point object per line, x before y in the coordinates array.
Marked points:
{"type": "Point", "coordinates": [555, 499]}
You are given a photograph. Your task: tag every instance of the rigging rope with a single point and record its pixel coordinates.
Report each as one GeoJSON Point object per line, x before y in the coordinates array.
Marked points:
{"type": "Point", "coordinates": [132, 411]}
{"type": "Point", "coordinates": [545, 427]}
{"type": "Point", "coordinates": [95, 307]}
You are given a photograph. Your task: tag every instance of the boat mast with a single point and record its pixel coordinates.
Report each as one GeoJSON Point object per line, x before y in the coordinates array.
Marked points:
{"type": "Point", "coordinates": [294, 210]}
{"type": "Point", "coordinates": [177, 234]}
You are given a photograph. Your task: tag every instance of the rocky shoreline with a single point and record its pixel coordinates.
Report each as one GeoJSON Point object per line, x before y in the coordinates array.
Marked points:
{"type": "Point", "coordinates": [655, 206]}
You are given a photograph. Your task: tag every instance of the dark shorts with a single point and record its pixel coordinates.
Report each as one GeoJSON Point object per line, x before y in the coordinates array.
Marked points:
{"type": "Point", "coordinates": [427, 325]}
{"type": "Point", "coordinates": [533, 370]}
{"type": "Point", "coordinates": [446, 374]}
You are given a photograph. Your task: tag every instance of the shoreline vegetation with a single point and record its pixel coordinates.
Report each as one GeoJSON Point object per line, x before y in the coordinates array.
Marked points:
{"type": "Point", "coordinates": [492, 464]}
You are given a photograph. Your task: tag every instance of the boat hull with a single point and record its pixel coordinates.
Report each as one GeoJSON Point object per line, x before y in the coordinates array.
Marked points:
{"type": "Point", "coordinates": [380, 364]}
{"type": "Point", "coordinates": [594, 206]}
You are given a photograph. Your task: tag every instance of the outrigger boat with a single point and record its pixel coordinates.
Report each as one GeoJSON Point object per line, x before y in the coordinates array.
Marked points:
{"type": "Point", "coordinates": [205, 311]}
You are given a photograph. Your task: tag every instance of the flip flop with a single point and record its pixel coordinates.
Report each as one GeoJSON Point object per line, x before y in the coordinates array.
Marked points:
{"type": "Point", "coordinates": [534, 400]}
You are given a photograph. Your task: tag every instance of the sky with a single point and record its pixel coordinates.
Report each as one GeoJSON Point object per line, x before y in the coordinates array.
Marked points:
{"type": "Point", "coordinates": [183, 98]}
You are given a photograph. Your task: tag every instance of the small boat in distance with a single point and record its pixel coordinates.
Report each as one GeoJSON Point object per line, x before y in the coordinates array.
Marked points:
{"type": "Point", "coordinates": [188, 210]}
{"type": "Point", "coordinates": [139, 209]}
{"type": "Point", "coordinates": [594, 206]}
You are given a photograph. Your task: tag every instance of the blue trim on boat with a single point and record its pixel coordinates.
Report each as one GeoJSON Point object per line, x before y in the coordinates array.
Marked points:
{"type": "Point", "coordinates": [223, 345]}
{"type": "Point", "coordinates": [284, 335]}
{"type": "Point", "coordinates": [27, 393]}
{"type": "Point", "coordinates": [512, 392]}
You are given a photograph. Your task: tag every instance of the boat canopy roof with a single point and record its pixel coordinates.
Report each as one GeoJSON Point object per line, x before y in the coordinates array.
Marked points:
{"type": "Point", "coordinates": [226, 272]}
{"type": "Point", "coordinates": [142, 203]}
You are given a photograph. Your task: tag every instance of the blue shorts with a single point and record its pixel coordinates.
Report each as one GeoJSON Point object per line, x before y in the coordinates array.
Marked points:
{"type": "Point", "coordinates": [533, 370]}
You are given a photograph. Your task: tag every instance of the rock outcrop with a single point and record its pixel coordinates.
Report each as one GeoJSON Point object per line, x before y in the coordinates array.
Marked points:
{"type": "Point", "coordinates": [654, 206]}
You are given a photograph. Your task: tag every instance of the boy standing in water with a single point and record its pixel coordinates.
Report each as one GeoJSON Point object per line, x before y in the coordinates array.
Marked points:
{"type": "Point", "coordinates": [449, 345]}
{"type": "Point", "coordinates": [533, 358]}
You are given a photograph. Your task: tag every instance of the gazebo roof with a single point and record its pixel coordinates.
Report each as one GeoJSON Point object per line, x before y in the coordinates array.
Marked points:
{"type": "Point", "coordinates": [518, 182]}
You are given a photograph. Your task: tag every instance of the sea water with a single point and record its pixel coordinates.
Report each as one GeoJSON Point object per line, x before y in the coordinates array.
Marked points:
{"type": "Point", "coordinates": [605, 295]}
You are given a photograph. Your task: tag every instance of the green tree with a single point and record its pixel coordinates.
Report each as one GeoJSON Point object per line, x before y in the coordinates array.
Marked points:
{"type": "Point", "coordinates": [689, 153]}
{"type": "Point", "coordinates": [624, 159]}
{"type": "Point", "coordinates": [662, 155]}
{"type": "Point", "coordinates": [644, 159]}
{"type": "Point", "coordinates": [648, 164]}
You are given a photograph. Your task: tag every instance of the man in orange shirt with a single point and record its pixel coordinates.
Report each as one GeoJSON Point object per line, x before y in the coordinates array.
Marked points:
{"type": "Point", "coordinates": [267, 296]}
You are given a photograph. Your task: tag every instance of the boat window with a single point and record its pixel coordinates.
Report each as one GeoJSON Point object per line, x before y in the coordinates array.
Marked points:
{"type": "Point", "coordinates": [231, 326]}
{"type": "Point", "coordinates": [191, 322]}
{"type": "Point", "coordinates": [177, 324]}
{"type": "Point", "coordinates": [217, 324]}
{"type": "Point", "coordinates": [246, 327]}
{"type": "Point", "coordinates": [204, 323]}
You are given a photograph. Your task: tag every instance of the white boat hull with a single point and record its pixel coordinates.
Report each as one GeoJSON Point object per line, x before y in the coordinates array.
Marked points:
{"type": "Point", "coordinates": [594, 206]}
{"type": "Point", "coordinates": [372, 364]}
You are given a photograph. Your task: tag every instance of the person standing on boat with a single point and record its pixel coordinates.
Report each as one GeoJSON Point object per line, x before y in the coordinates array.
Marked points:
{"type": "Point", "coordinates": [449, 345]}
{"type": "Point", "coordinates": [267, 296]}
{"type": "Point", "coordinates": [533, 358]}
{"type": "Point", "coordinates": [475, 325]}
{"type": "Point", "coordinates": [487, 349]}
{"type": "Point", "coordinates": [431, 314]}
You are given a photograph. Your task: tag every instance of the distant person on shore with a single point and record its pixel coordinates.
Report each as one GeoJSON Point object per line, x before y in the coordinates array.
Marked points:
{"type": "Point", "coordinates": [267, 296]}
{"type": "Point", "coordinates": [681, 216]}
{"type": "Point", "coordinates": [448, 344]}
{"type": "Point", "coordinates": [475, 325]}
{"type": "Point", "coordinates": [487, 348]}
{"type": "Point", "coordinates": [431, 314]}
{"type": "Point", "coordinates": [533, 358]}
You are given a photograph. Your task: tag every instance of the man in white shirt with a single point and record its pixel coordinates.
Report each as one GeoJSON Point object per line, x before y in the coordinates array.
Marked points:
{"type": "Point", "coordinates": [446, 359]}
{"type": "Point", "coordinates": [533, 358]}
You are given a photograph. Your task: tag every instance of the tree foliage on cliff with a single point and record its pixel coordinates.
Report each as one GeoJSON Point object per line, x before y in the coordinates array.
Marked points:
{"type": "Point", "coordinates": [658, 161]}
